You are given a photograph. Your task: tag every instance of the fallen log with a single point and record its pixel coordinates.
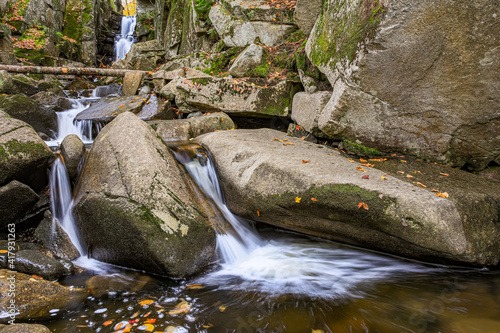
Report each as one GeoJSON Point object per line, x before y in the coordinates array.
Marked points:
{"type": "Point", "coordinates": [69, 70]}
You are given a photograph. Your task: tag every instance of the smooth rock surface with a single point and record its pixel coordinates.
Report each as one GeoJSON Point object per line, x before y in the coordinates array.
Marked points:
{"type": "Point", "coordinates": [33, 262]}
{"type": "Point", "coordinates": [131, 82]}
{"type": "Point", "coordinates": [259, 173]}
{"type": "Point", "coordinates": [249, 59]}
{"type": "Point", "coordinates": [106, 109]}
{"type": "Point", "coordinates": [136, 209]}
{"type": "Point", "coordinates": [55, 239]}
{"type": "Point", "coordinates": [16, 199]}
{"type": "Point", "coordinates": [306, 13]}
{"type": "Point", "coordinates": [24, 328]}
{"type": "Point", "coordinates": [144, 56]}
{"type": "Point", "coordinates": [72, 151]}
{"type": "Point", "coordinates": [306, 109]}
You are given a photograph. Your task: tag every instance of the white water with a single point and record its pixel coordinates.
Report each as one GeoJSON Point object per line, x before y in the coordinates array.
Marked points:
{"type": "Point", "coordinates": [126, 37]}
{"type": "Point", "coordinates": [287, 264]}
{"type": "Point", "coordinates": [67, 125]}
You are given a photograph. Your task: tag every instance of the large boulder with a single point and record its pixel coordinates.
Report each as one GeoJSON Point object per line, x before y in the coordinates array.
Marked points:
{"type": "Point", "coordinates": [297, 185]}
{"type": "Point", "coordinates": [49, 13]}
{"type": "Point", "coordinates": [24, 328]}
{"type": "Point", "coordinates": [306, 14]}
{"type": "Point", "coordinates": [441, 104]}
{"type": "Point", "coordinates": [23, 155]}
{"type": "Point", "coordinates": [72, 152]}
{"type": "Point", "coordinates": [106, 109]}
{"type": "Point", "coordinates": [26, 109]}
{"type": "Point", "coordinates": [144, 56]}
{"type": "Point", "coordinates": [136, 209]}
{"type": "Point", "coordinates": [249, 59]}
{"type": "Point", "coordinates": [7, 55]}
{"type": "Point", "coordinates": [36, 297]}
{"type": "Point", "coordinates": [51, 234]}
{"type": "Point", "coordinates": [306, 109]}
{"type": "Point", "coordinates": [233, 97]}
{"type": "Point", "coordinates": [16, 199]}
{"type": "Point", "coordinates": [36, 263]}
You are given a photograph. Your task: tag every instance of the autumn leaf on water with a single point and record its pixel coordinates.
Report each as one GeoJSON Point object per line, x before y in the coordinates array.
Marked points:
{"type": "Point", "coordinates": [305, 161]}
{"type": "Point", "coordinates": [150, 321]}
{"type": "Point", "coordinates": [146, 302]}
{"type": "Point", "coordinates": [297, 199]}
{"type": "Point", "coordinates": [146, 328]}
{"type": "Point", "coordinates": [182, 307]}
{"type": "Point", "coordinates": [314, 199]}
{"type": "Point", "coordinates": [365, 177]}
{"type": "Point", "coordinates": [362, 204]}
{"type": "Point", "coordinates": [360, 169]}
{"type": "Point", "coordinates": [108, 322]}
{"type": "Point", "coordinates": [443, 195]}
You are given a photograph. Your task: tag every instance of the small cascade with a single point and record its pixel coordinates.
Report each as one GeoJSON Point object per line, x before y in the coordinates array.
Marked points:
{"type": "Point", "coordinates": [282, 264]}
{"type": "Point", "coordinates": [124, 41]}
{"type": "Point", "coordinates": [67, 125]}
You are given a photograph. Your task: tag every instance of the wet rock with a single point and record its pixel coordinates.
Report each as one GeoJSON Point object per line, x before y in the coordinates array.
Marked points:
{"type": "Point", "coordinates": [249, 59]}
{"type": "Point", "coordinates": [144, 56]}
{"type": "Point", "coordinates": [185, 129]}
{"type": "Point", "coordinates": [385, 79]}
{"type": "Point", "coordinates": [131, 82]}
{"type": "Point", "coordinates": [306, 109]}
{"type": "Point", "coordinates": [26, 109]}
{"type": "Point", "coordinates": [261, 174]}
{"type": "Point", "coordinates": [482, 325]}
{"type": "Point", "coordinates": [68, 267]}
{"type": "Point", "coordinates": [106, 109]}
{"type": "Point", "coordinates": [23, 154]}
{"type": "Point", "coordinates": [306, 14]}
{"type": "Point", "coordinates": [72, 151]}
{"type": "Point", "coordinates": [24, 328]}
{"type": "Point", "coordinates": [79, 84]}
{"type": "Point", "coordinates": [100, 285]}
{"type": "Point", "coordinates": [36, 297]}
{"type": "Point", "coordinates": [55, 239]}
{"type": "Point", "coordinates": [35, 263]}
{"type": "Point", "coordinates": [111, 89]}
{"type": "Point", "coordinates": [30, 246]}
{"type": "Point", "coordinates": [16, 199]}
{"type": "Point", "coordinates": [51, 99]}
{"type": "Point", "coordinates": [156, 109]}
{"type": "Point", "coordinates": [136, 207]}
{"type": "Point", "coordinates": [227, 95]}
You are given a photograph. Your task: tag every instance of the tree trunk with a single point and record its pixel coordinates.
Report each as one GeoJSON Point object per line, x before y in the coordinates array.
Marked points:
{"type": "Point", "coordinates": [68, 70]}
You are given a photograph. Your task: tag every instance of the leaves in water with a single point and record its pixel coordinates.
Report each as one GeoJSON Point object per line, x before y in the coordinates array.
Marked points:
{"type": "Point", "coordinates": [181, 308]}
{"type": "Point", "coordinates": [146, 302]}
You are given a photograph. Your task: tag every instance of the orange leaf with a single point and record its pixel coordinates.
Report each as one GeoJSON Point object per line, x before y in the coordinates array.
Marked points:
{"type": "Point", "coordinates": [305, 161]}
{"type": "Point", "coordinates": [146, 302]}
{"type": "Point", "coordinates": [360, 169]}
{"type": "Point", "coordinates": [444, 174]}
{"type": "Point", "coordinates": [443, 195]}
{"type": "Point", "coordinates": [351, 160]}
{"type": "Point", "coordinates": [3, 251]}
{"type": "Point", "coordinates": [401, 172]}
{"type": "Point", "coordinates": [362, 204]}
{"type": "Point", "coordinates": [258, 213]}
{"type": "Point", "coordinates": [419, 184]}
{"type": "Point", "coordinates": [195, 286]}
{"type": "Point", "coordinates": [403, 161]}
{"type": "Point", "coordinates": [297, 199]}
{"type": "Point", "coordinates": [108, 322]}
{"type": "Point", "coordinates": [314, 199]}
{"type": "Point", "coordinates": [409, 176]}
{"type": "Point", "coordinates": [362, 160]}
{"type": "Point", "coordinates": [384, 178]}
{"type": "Point", "coordinates": [368, 165]}
{"type": "Point", "coordinates": [150, 321]}
{"type": "Point", "coordinates": [288, 144]}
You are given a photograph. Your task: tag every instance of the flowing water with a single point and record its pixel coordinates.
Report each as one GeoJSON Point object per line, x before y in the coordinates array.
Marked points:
{"type": "Point", "coordinates": [269, 280]}
{"type": "Point", "coordinates": [125, 39]}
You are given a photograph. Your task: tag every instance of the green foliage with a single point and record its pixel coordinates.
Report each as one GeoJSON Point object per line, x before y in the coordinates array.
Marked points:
{"type": "Point", "coordinates": [260, 71]}
{"type": "Point", "coordinates": [202, 8]}
{"type": "Point", "coordinates": [14, 16]}
{"type": "Point", "coordinates": [359, 150]}
{"type": "Point", "coordinates": [221, 61]}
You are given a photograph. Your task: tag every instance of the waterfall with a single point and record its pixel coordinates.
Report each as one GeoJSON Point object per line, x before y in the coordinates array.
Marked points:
{"type": "Point", "coordinates": [61, 203]}
{"type": "Point", "coordinates": [125, 39]}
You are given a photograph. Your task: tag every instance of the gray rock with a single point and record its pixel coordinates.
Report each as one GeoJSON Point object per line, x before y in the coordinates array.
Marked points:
{"type": "Point", "coordinates": [161, 77]}
{"type": "Point", "coordinates": [106, 109]}
{"type": "Point", "coordinates": [306, 14]}
{"type": "Point", "coordinates": [144, 56]}
{"type": "Point", "coordinates": [49, 13]}
{"type": "Point", "coordinates": [136, 209]}
{"type": "Point", "coordinates": [231, 97]}
{"type": "Point", "coordinates": [52, 86]}
{"type": "Point", "coordinates": [145, 90]}
{"type": "Point", "coordinates": [259, 10]}
{"type": "Point", "coordinates": [36, 297]}
{"type": "Point", "coordinates": [156, 109]}
{"type": "Point", "coordinates": [131, 82]}
{"type": "Point", "coordinates": [5, 82]}
{"type": "Point", "coordinates": [440, 105]}
{"type": "Point", "coordinates": [306, 109]}
{"type": "Point", "coordinates": [30, 246]}
{"type": "Point", "coordinates": [170, 90]}
{"type": "Point", "coordinates": [55, 239]}
{"type": "Point", "coordinates": [249, 59]}
{"type": "Point", "coordinates": [26, 109]}
{"type": "Point", "coordinates": [69, 268]}
{"type": "Point", "coordinates": [23, 154]}
{"type": "Point", "coordinates": [24, 328]}
{"type": "Point", "coordinates": [185, 129]}
{"type": "Point", "coordinates": [15, 200]}
{"type": "Point", "coordinates": [79, 84]}
{"type": "Point", "coordinates": [311, 84]}
{"type": "Point", "coordinates": [110, 89]}
{"type": "Point", "coordinates": [7, 55]}
{"type": "Point", "coordinates": [33, 262]}
{"type": "Point", "coordinates": [72, 151]}
{"type": "Point", "coordinates": [259, 173]}
{"type": "Point", "coordinates": [23, 87]}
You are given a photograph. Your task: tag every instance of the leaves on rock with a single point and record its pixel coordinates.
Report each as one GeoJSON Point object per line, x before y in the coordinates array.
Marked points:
{"type": "Point", "coordinates": [363, 205]}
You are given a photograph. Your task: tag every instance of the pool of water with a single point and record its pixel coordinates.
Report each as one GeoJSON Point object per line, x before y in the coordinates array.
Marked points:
{"type": "Point", "coordinates": [341, 289]}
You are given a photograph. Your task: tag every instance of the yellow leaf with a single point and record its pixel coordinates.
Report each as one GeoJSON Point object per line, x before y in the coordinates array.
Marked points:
{"type": "Point", "coordinates": [362, 160]}
{"type": "Point", "coordinates": [351, 160]}
{"type": "Point", "coordinates": [288, 144]}
{"type": "Point", "coordinates": [108, 322]}
{"type": "Point", "coordinates": [195, 286]}
{"type": "Point", "coordinates": [384, 178]}
{"type": "Point", "coordinates": [146, 302]}
{"type": "Point", "coordinates": [297, 199]}
{"type": "Point", "coordinates": [148, 327]}
{"type": "Point", "coordinates": [222, 308]}
{"type": "Point", "coordinates": [403, 161]}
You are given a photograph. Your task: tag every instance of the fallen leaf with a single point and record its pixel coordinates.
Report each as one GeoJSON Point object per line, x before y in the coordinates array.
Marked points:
{"type": "Point", "coordinates": [150, 321]}
{"type": "Point", "coordinates": [403, 161]}
{"type": "Point", "coordinates": [208, 326]}
{"type": "Point", "coordinates": [314, 199]}
{"type": "Point", "coordinates": [108, 322]}
{"type": "Point", "coordinates": [434, 190]}
{"type": "Point", "coordinates": [409, 176]}
{"type": "Point", "coordinates": [401, 172]}
{"type": "Point", "coordinates": [3, 251]}
{"type": "Point", "coordinates": [195, 286]}
{"type": "Point", "coordinates": [380, 196]}
{"type": "Point", "coordinates": [297, 199]}
{"type": "Point", "coordinates": [288, 144]}
{"type": "Point", "coordinates": [443, 195]}
{"type": "Point", "coordinates": [368, 165]}
{"type": "Point", "coordinates": [362, 160]}
{"type": "Point", "coordinates": [146, 302]}
{"type": "Point", "coordinates": [383, 177]}
{"type": "Point", "coordinates": [351, 160]}
{"type": "Point", "coordinates": [365, 177]}
{"type": "Point", "coordinates": [416, 171]}
{"type": "Point", "coordinates": [360, 169]}
{"type": "Point", "coordinates": [305, 161]}
{"type": "Point", "coordinates": [403, 222]}
{"type": "Point", "coordinates": [362, 204]}
{"type": "Point", "coordinates": [419, 184]}
{"type": "Point", "coordinates": [182, 307]}
{"type": "Point", "coordinates": [222, 308]}
{"type": "Point", "coordinates": [146, 328]}
{"type": "Point", "coordinates": [444, 174]}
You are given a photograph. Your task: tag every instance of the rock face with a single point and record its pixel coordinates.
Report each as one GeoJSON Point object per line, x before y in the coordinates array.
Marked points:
{"type": "Point", "coordinates": [247, 60]}
{"type": "Point", "coordinates": [306, 109]}
{"type": "Point", "coordinates": [106, 109]}
{"type": "Point", "coordinates": [232, 97]}
{"type": "Point", "coordinates": [49, 13]}
{"type": "Point", "coordinates": [131, 82]}
{"type": "Point", "coordinates": [36, 297]}
{"type": "Point", "coordinates": [134, 207]}
{"type": "Point", "coordinates": [144, 56]}
{"type": "Point", "coordinates": [55, 239]}
{"type": "Point", "coordinates": [33, 262]}
{"type": "Point", "coordinates": [442, 104]}
{"type": "Point", "coordinates": [306, 13]}
{"type": "Point", "coordinates": [15, 200]}
{"type": "Point", "coordinates": [26, 109]}
{"type": "Point", "coordinates": [185, 129]}
{"type": "Point", "coordinates": [238, 30]}
{"type": "Point", "coordinates": [23, 155]}
{"type": "Point", "coordinates": [72, 151]}
{"type": "Point", "coordinates": [315, 190]}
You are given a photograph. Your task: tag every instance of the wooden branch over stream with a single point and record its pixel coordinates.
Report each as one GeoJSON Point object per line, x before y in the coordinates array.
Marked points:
{"type": "Point", "coordinates": [69, 70]}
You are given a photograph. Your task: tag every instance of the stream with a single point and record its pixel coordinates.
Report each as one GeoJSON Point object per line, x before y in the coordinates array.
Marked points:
{"type": "Point", "coordinates": [268, 280]}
